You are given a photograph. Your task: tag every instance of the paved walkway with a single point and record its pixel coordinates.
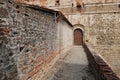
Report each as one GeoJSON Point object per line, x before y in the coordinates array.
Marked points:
{"type": "Point", "coordinates": [74, 66]}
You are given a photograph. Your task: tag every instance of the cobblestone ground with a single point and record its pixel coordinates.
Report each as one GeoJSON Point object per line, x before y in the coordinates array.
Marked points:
{"type": "Point", "coordinates": [74, 66]}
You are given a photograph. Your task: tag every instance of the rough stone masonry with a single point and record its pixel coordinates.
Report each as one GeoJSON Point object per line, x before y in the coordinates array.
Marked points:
{"type": "Point", "coordinates": [102, 29]}
{"type": "Point", "coordinates": [29, 41]}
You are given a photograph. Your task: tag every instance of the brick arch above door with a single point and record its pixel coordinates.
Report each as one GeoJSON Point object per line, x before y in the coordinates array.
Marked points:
{"type": "Point", "coordinates": [79, 26]}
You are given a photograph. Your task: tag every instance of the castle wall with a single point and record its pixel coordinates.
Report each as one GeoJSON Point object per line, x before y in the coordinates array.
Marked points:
{"type": "Point", "coordinates": [29, 41]}
{"type": "Point", "coordinates": [98, 1]}
{"type": "Point", "coordinates": [101, 22]}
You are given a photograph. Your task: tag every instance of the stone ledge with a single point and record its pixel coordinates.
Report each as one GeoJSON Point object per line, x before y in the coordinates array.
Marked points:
{"type": "Point", "coordinates": [98, 66]}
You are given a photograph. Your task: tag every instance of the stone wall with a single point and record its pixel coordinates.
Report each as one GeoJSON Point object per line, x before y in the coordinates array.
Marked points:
{"type": "Point", "coordinates": [62, 3]}
{"type": "Point", "coordinates": [42, 3]}
{"type": "Point", "coordinates": [101, 8]}
{"type": "Point", "coordinates": [101, 28]}
{"type": "Point", "coordinates": [66, 36]}
{"type": "Point", "coordinates": [98, 66]}
{"type": "Point", "coordinates": [103, 32]}
{"type": "Point", "coordinates": [8, 66]}
{"type": "Point", "coordinates": [98, 1]}
{"type": "Point", "coordinates": [29, 41]}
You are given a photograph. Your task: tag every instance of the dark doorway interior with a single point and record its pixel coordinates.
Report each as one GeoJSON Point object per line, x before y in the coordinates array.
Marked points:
{"type": "Point", "coordinates": [78, 37]}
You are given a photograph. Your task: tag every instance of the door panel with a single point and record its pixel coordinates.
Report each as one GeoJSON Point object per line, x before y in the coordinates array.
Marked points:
{"type": "Point", "coordinates": [78, 37]}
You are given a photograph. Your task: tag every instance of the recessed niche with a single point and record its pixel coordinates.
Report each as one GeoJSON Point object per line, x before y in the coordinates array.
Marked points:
{"type": "Point", "coordinates": [119, 5]}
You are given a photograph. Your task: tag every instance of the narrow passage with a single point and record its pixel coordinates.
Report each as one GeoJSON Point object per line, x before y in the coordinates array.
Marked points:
{"type": "Point", "coordinates": [74, 66]}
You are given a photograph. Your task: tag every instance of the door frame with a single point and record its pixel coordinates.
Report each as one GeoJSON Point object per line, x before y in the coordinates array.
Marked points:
{"type": "Point", "coordinates": [81, 34]}
{"type": "Point", "coordinates": [82, 28]}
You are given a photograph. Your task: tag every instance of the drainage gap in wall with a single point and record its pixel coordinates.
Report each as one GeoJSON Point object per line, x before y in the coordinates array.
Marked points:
{"type": "Point", "coordinates": [15, 32]}
{"type": "Point", "coordinates": [10, 2]}
{"type": "Point", "coordinates": [27, 50]}
{"type": "Point", "coordinates": [11, 54]}
{"type": "Point", "coordinates": [21, 48]}
{"type": "Point", "coordinates": [1, 3]}
{"type": "Point", "coordinates": [26, 14]}
{"type": "Point", "coordinates": [1, 44]}
{"type": "Point", "coordinates": [17, 9]}
{"type": "Point", "coordinates": [1, 61]}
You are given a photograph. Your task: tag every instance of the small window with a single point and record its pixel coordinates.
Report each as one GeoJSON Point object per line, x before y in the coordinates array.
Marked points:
{"type": "Point", "coordinates": [72, 5]}
{"type": "Point", "coordinates": [78, 5]}
{"type": "Point", "coordinates": [57, 3]}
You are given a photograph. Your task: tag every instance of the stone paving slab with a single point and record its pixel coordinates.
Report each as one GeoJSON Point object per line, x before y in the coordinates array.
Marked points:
{"type": "Point", "coordinates": [74, 66]}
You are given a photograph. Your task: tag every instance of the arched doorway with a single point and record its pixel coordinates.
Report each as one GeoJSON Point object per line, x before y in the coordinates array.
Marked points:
{"type": "Point", "coordinates": [78, 37]}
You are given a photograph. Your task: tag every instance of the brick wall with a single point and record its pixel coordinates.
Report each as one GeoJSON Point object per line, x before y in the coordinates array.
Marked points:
{"type": "Point", "coordinates": [29, 41]}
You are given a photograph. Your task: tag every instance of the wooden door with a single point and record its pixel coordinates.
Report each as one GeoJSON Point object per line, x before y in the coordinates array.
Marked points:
{"type": "Point", "coordinates": [78, 37]}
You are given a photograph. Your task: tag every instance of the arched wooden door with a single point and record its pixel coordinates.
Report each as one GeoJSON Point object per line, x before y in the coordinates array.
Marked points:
{"type": "Point", "coordinates": [78, 37]}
